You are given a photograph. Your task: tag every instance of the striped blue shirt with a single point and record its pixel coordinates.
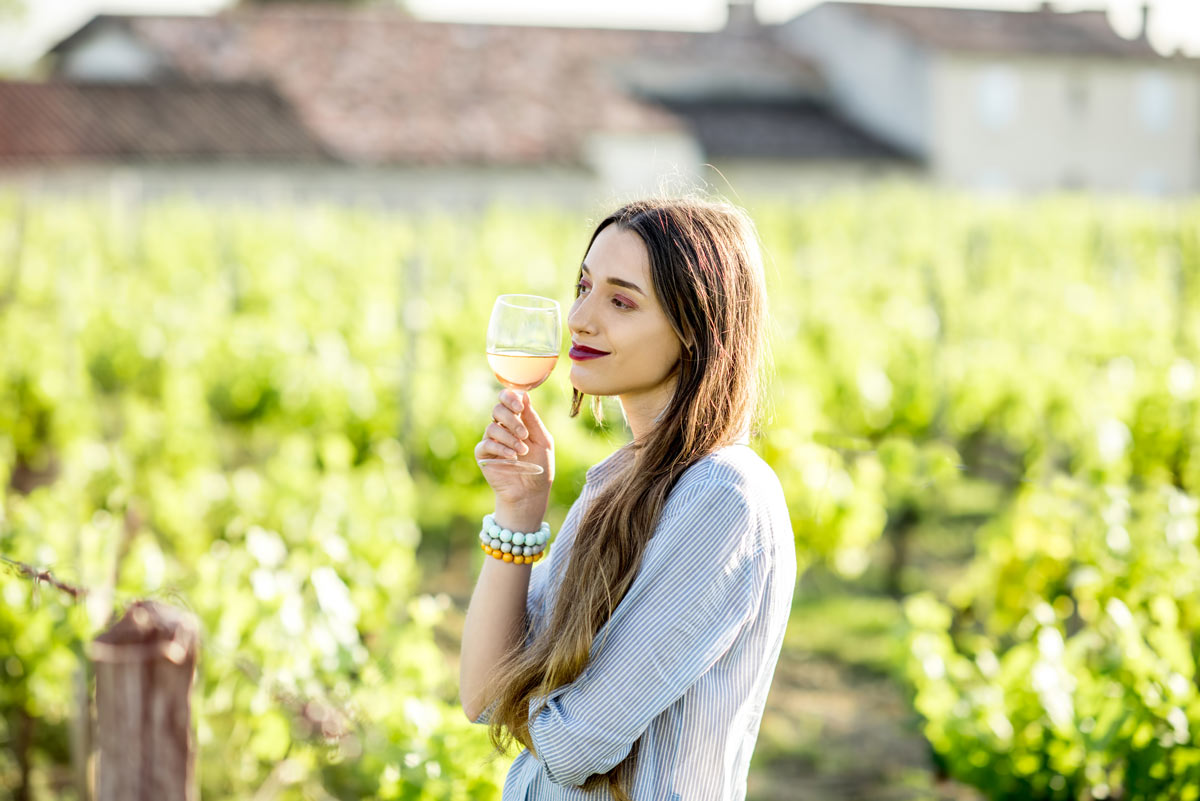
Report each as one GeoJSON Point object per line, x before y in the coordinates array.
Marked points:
{"type": "Point", "coordinates": [686, 660]}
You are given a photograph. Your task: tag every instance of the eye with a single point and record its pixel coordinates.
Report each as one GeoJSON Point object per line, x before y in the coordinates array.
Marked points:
{"type": "Point", "coordinates": [620, 304]}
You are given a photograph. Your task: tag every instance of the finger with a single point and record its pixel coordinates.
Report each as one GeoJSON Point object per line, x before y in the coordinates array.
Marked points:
{"type": "Point", "coordinates": [512, 399]}
{"type": "Point", "coordinates": [491, 449]}
{"type": "Point", "coordinates": [505, 437]}
{"type": "Point", "coordinates": [506, 417]}
{"type": "Point", "coordinates": [533, 422]}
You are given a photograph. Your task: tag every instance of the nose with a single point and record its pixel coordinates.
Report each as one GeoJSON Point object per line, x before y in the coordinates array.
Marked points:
{"type": "Point", "coordinates": [579, 317]}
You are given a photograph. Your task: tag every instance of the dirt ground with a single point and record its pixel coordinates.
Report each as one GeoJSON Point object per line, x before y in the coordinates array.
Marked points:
{"type": "Point", "coordinates": [833, 732]}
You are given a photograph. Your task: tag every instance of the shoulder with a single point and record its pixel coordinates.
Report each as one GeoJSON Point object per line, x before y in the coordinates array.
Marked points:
{"type": "Point", "coordinates": [738, 467]}
{"type": "Point", "coordinates": [733, 478]}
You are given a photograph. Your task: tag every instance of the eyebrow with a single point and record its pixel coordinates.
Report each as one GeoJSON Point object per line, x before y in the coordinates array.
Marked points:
{"type": "Point", "coordinates": [618, 281]}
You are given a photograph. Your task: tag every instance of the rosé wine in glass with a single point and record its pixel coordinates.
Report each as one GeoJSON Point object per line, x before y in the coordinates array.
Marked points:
{"type": "Point", "coordinates": [523, 342]}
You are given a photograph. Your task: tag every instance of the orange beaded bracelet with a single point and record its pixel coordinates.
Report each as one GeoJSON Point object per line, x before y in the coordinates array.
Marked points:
{"type": "Point", "coordinates": [496, 553]}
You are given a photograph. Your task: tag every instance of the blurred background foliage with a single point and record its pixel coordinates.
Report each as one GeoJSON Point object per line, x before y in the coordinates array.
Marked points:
{"type": "Point", "coordinates": [267, 417]}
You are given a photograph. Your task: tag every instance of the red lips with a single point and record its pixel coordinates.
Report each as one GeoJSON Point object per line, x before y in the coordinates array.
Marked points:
{"type": "Point", "coordinates": [582, 352]}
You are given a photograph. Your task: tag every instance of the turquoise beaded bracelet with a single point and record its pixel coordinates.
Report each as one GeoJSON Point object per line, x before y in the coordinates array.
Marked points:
{"type": "Point", "coordinates": [512, 546]}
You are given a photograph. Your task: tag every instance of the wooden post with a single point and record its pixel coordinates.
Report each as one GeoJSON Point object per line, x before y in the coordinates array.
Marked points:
{"type": "Point", "coordinates": [145, 664]}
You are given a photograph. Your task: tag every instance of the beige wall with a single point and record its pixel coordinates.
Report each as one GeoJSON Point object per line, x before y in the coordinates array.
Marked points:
{"type": "Point", "coordinates": [878, 77]}
{"type": "Point", "coordinates": [109, 53]}
{"type": "Point", "coordinates": [633, 165]}
{"type": "Point", "coordinates": [408, 189]}
{"type": "Point", "coordinates": [263, 184]}
{"type": "Point", "coordinates": [1017, 124]}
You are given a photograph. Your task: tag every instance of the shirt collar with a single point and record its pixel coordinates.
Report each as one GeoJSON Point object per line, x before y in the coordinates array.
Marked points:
{"type": "Point", "coordinates": [607, 466]}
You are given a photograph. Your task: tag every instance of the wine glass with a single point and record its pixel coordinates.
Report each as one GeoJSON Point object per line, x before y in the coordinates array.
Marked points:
{"type": "Point", "coordinates": [523, 342]}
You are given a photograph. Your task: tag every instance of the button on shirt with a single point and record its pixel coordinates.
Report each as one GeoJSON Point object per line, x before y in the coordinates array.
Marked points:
{"type": "Point", "coordinates": [686, 660]}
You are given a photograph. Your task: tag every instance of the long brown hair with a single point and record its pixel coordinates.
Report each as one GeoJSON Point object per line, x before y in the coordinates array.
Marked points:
{"type": "Point", "coordinates": [706, 270]}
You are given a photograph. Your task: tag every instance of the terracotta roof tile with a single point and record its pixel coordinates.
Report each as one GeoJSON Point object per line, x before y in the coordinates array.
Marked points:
{"type": "Point", "coordinates": [80, 122]}
{"type": "Point", "coordinates": [380, 87]}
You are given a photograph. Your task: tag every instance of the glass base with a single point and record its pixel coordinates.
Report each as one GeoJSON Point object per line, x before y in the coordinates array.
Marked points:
{"type": "Point", "coordinates": [513, 465]}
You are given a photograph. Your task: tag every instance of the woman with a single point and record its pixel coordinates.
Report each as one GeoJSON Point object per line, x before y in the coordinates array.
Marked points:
{"type": "Point", "coordinates": [635, 662]}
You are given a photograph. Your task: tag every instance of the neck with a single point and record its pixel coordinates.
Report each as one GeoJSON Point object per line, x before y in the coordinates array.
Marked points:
{"type": "Point", "coordinates": [643, 410]}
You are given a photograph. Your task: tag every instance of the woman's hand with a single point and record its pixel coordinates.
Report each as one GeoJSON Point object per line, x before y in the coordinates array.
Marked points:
{"type": "Point", "coordinates": [517, 432]}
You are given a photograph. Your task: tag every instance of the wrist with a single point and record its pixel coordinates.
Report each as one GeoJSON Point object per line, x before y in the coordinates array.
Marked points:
{"type": "Point", "coordinates": [520, 516]}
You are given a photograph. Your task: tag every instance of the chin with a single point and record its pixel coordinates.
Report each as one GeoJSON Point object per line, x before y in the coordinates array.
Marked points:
{"type": "Point", "coordinates": [589, 384]}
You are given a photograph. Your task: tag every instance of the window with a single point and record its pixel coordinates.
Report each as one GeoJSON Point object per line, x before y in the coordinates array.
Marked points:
{"type": "Point", "coordinates": [1077, 94]}
{"type": "Point", "coordinates": [1155, 100]}
{"type": "Point", "coordinates": [997, 95]}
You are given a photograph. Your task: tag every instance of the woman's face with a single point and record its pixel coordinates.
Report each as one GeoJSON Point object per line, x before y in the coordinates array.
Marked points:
{"type": "Point", "coordinates": [616, 311]}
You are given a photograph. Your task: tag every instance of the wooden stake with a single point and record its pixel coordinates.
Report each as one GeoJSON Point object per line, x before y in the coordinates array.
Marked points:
{"type": "Point", "coordinates": [145, 665]}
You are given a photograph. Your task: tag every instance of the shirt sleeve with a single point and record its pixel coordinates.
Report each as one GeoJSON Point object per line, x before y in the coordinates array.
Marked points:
{"type": "Point", "coordinates": [675, 622]}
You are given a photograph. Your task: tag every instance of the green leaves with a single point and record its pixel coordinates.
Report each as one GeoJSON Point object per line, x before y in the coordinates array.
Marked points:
{"type": "Point", "coordinates": [260, 415]}
{"type": "Point", "coordinates": [1087, 666]}
{"type": "Point", "coordinates": [205, 409]}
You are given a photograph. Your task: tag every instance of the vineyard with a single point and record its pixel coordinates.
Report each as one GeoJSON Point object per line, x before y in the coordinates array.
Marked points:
{"type": "Point", "coordinates": [983, 414]}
